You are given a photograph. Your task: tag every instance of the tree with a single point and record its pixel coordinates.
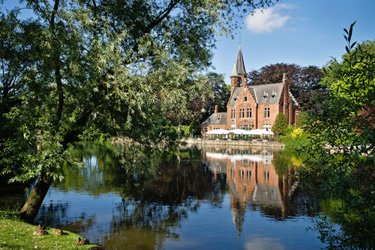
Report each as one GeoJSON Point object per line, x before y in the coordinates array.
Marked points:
{"type": "Point", "coordinates": [207, 91]}
{"type": "Point", "coordinates": [273, 73]}
{"type": "Point", "coordinates": [341, 149]}
{"type": "Point", "coordinates": [281, 125]}
{"type": "Point", "coordinates": [221, 92]}
{"type": "Point", "coordinates": [304, 81]}
{"type": "Point", "coordinates": [19, 50]}
{"type": "Point", "coordinates": [102, 67]}
{"type": "Point", "coordinates": [345, 119]}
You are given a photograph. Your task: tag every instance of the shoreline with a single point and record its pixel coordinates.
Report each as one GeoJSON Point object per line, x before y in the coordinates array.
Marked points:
{"type": "Point", "coordinates": [17, 234]}
{"type": "Point", "coordinates": [239, 143]}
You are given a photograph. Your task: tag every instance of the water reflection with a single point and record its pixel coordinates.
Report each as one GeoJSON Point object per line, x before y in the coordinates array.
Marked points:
{"type": "Point", "coordinates": [196, 198]}
{"type": "Point", "coordinates": [253, 182]}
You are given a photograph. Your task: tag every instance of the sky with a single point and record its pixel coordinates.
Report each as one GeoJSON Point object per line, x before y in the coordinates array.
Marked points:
{"type": "Point", "coordinates": [303, 32]}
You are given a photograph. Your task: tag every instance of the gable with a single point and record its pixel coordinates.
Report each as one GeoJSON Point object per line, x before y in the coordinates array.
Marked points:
{"type": "Point", "coordinates": [233, 99]}
{"type": "Point", "coordinates": [238, 95]}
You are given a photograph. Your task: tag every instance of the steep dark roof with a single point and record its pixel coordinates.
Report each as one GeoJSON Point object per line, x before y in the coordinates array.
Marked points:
{"type": "Point", "coordinates": [267, 93]}
{"type": "Point", "coordinates": [265, 195]}
{"type": "Point", "coordinates": [263, 94]}
{"type": "Point", "coordinates": [216, 118]}
{"type": "Point", "coordinates": [239, 66]}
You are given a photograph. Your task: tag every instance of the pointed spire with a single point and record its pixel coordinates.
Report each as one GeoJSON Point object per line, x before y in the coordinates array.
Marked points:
{"type": "Point", "coordinates": [239, 66]}
{"type": "Point", "coordinates": [238, 215]}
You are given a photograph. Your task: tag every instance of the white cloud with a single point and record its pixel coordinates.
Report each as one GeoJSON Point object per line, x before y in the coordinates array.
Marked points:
{"type": "Point", "coordinates": [263, 243]}
{"type": "Point", "coordinates": [268, 20]}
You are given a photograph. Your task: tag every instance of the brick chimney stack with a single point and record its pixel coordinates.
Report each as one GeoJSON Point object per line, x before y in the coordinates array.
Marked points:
{"type": "Point", "coordinates": [286, 96]}
{"type": "Point", "coordinates": [216, 109]}
{"type": "Point", "coordinates": [284, 78]}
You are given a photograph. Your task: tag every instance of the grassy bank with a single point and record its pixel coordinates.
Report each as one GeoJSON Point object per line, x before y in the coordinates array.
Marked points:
{"type": "Point", "coordinates": [16, 234]}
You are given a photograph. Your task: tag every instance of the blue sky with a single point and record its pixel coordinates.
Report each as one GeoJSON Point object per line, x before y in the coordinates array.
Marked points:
{"type": "Point", "coordinates": [304, 32]}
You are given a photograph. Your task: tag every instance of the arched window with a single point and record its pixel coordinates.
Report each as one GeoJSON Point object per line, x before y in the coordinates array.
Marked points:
{"type": "Point", "coordinates": [245, 98]}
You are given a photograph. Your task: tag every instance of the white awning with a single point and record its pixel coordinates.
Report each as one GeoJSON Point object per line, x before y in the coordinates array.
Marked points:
{"type": "Point", "coordinates": [238, 157]}
{"type": "Point", "coordinates": [238, 131]}
{"type": "Point", "coordinates": [218, 132]}
{"type": "Point", "coordinates": [260, 132]}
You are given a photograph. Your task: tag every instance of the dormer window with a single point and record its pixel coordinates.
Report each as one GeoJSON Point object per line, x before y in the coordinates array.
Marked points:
{"type": "Point", "coordinates": [265, 94]}
{"type": "Point", "coordinates": [273, 94]}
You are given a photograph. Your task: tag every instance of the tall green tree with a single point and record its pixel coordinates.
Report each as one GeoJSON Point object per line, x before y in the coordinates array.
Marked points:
{"type": "Point", "coordinates": [101, 66]}
{"type": "Point", "coordinates": [342, 144]}
{"type": "Point", "coordinates": [221, 92]}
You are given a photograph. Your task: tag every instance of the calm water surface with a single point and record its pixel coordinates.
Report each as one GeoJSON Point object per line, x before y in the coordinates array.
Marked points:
{"type": "Point", "coordinates": [210, 198]}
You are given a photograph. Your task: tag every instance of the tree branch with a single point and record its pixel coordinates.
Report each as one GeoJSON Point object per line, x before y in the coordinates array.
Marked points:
{"type": "Point", "coordinates": [56, 63]}
{"type": "Point", "coordinates": [161, 16]}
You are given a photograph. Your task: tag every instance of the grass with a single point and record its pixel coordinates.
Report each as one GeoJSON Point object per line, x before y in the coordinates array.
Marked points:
{"type": "Point", "coordinates": [16, 234]}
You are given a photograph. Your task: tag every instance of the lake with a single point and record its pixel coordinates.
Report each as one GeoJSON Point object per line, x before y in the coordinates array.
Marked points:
{"type": "Point", "coordinates": [207, 198]}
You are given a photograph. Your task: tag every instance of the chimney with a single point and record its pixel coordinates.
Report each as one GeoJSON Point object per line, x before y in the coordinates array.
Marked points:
{"type": "Point", "coordinates": [284, 78]}
{"type": "Point", "coordinates": [286, 96]}
{"type": "Point", "coordinates": [216, 109]}
{"type": "Point", "coordinates": [243, 81]}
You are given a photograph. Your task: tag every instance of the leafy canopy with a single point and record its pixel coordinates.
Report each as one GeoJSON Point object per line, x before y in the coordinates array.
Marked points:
{"type": "Point", "coordinates": [77, 69]}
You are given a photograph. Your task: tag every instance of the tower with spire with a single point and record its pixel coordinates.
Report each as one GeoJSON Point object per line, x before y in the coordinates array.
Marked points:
{"type": "Point", "coordinates": [239, 76]}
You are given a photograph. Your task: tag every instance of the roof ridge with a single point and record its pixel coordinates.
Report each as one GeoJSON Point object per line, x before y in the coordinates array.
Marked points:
{"type": "Point", "coordinates": [281, 93]}
{"type": "Point", "coordinates": [267, 84]}
{"type": "Point", "coordinates": [254, 94]}
{"type": "Point", "coordinates": [293, 98]}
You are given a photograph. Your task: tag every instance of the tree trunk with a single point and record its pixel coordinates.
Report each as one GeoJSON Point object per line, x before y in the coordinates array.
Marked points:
{"type": "Point", "coordinates": [35, 199]}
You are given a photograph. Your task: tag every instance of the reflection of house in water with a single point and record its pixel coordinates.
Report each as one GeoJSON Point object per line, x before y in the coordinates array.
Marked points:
{"type": "Point", "coordinates": [252, 179]}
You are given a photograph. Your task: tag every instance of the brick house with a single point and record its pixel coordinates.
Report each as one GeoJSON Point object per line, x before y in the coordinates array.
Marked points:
{"type": "Point", "coordinates": [253, 106]}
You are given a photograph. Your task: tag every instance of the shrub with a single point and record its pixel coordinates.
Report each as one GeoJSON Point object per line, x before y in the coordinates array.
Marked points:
{"type": "Point", "coordinates": [281, 125]}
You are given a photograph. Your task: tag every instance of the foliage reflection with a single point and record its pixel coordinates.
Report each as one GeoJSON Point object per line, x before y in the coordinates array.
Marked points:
{"type": "Point", "coordinates": [157, 191]}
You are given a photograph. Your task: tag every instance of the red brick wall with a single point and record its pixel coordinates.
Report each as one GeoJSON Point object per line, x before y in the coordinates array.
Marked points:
{"type": "Point", "coordinates": [274, 111]}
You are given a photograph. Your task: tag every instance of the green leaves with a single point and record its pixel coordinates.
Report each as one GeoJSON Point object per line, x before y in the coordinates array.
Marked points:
{"type": "Point", "coordinates": [341, 133]}
{"type": "Point", "coordinates": [348, 38]}
{"type": "Point", "coordinates": [281, 125]}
